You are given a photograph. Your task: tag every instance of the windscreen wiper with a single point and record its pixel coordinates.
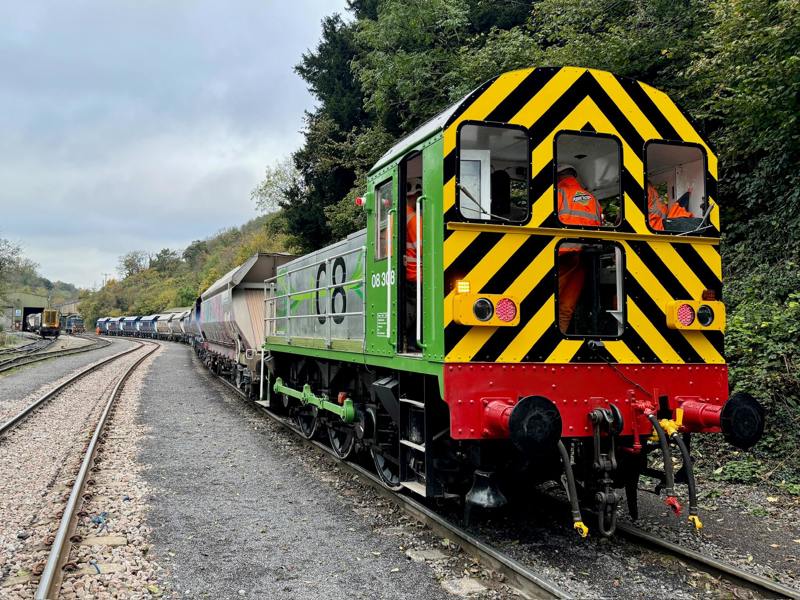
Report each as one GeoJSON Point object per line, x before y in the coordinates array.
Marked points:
{"type": "Point", "coordinates": [700, 227]}
{"type": "Point", "coordinates": [480, 208]}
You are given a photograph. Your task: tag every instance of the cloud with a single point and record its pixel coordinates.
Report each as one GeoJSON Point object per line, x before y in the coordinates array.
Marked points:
{"type": "Point", "coordinates": [143, 124]}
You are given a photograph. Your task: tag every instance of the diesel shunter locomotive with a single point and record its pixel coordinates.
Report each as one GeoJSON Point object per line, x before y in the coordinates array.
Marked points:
{"type": "Point", "coordinates": [537, 296]}
{"type": "Point", "coordinates": [45, 323]}
{"type": "Point", "coordinates": [468, 373]}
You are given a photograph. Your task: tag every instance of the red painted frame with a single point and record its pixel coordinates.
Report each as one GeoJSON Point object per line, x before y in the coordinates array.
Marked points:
{"type": "Point", "coordinates": [480, 395]}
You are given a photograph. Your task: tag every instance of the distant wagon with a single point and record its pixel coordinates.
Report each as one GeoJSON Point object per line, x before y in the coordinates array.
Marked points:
{"type": "Point", "coordinates": [114, 326]}
{"type": "Point", "coordinates": [162, 326]}
{"type": "Point", "coordinates": [176, 326]}
{"type": "Point", "coordinates": [129, 325]}
{"type": "Point", "coordinates": [101, 325]}
{"type": "Point", "coordinates": [147, 326]}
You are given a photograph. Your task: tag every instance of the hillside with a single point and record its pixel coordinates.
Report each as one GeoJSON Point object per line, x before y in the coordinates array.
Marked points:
{"type": "Point", "coordinates": [150, 284]}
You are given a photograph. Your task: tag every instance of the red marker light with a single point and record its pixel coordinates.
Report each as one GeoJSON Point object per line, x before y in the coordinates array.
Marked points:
{"type": "Point", "coordinates": [685, 315]}
{"type": "Point", "coordinates": [506, 310]}
{"type": "Point", "coordinates": [360, 201]}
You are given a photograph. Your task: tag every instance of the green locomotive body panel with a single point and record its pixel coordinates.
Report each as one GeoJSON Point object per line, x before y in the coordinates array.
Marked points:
{"type": "Point", "coordinates": [371, 277]}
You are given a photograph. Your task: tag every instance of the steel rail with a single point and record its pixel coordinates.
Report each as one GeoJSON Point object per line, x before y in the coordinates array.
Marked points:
{"type": "Point", "coordinates": [19, 417]}
{"type": "Point", "coordinates": [711, 565]}
{"type": "Point", "coordinates": [33, 346]}
{"type": "Point", "coordinates": [51, 575]}
{"type": "Point", "coordinates": [520, 577]}
{"type": "Point", "coordinates": [28, 359]}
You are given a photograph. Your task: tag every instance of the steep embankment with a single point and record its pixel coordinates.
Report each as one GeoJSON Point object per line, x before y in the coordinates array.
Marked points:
{"type": "Point", "coordinates": [175, 278]}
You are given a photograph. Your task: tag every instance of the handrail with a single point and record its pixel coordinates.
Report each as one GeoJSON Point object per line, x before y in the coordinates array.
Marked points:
{"type": "Point", "coordinates": [419, 257]}
{"type": "Point", "coordinates": [318, 289]}
{"type": "Point", "coordinates": [336, 314]}
{"type": "Point", "coordinates": [389, 240]}
{"type": "Point", "coordinates": [330, 311]}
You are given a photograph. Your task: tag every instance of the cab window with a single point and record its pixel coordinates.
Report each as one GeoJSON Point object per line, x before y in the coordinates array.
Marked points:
{"type": "Point", "coordinates": [383, 203]}
{"type": "Point", "coordinates": [588, 185]}
{"type": "Point", "coordinates": [590, 288]}
{"type": "Point", "coordinates": [675, 193]}
{"type": "Point", "coordinates": [493, 173]}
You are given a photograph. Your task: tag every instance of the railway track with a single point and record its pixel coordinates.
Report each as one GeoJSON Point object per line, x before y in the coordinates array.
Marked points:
{"type": "Point", "coordinates": [24, 413]}
{"type": "Point", "coordinates": [51, 576]}
{"type": "Point", "coordinates": [712, 566]}
{"type": "Point", "coordinates": [28, 348]}
{"type": "Point", "coordinates": [35, 355]}
{"type": "Point", "coordinates": [518, 576]}
{"type": "Point", "coordinates": [521, 577]}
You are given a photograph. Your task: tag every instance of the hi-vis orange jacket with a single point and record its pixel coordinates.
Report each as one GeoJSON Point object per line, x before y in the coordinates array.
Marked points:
{"type": "Point", "coordinates": [576, 206]}
{"type": "Point", "coordinates": [657, 210]}
{"type": "Point", "coordinates": [411, 242]}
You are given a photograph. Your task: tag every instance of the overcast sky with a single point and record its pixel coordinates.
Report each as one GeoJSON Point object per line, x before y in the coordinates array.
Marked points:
{"type": "Point", "coordinates": [142, 124]}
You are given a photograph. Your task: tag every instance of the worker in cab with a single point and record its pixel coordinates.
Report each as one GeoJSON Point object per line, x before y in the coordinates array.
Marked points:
{"type": "Point", "coordinates": [658, 210]}
{"type": "Point", "coordinates": [576, 206]}
{"type": "Point", "coordinates": [413, 248]}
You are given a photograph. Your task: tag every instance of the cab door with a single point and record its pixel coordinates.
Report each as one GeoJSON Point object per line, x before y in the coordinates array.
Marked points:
{"type": "Point", "coordinates": [410, 264]}
{"type": "Point", "coordinates": [382, 252]}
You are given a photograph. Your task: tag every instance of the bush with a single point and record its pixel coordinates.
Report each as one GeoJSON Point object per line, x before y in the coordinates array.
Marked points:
{"type": "Point", "coordinates": [762, 347]}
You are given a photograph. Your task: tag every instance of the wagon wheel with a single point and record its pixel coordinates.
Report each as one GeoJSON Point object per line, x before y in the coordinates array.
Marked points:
{"type": "Point", "coordinates": [387, 467]}
{"type": "Point", "coordinates": [307, 418]}
{"type": "Point", "coordinates": [342, 439]}
{"type": "Point", "coordinates": [307, 415]}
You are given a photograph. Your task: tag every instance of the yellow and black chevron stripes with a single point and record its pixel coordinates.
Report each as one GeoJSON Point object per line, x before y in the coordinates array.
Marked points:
{"type": "Point", "coordinates": [521, 260]}
{"type": "Point", "coordinates": [527, 271]}
{"type": "Point", "coordinates": [551, 100]}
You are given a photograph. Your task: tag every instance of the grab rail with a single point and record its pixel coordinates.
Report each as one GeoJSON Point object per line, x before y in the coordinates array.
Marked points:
{"type": "Point", "coordinates": [330, 311]}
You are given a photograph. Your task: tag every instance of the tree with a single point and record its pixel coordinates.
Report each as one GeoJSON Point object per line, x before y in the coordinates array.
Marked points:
{"type": "Point", "coordinates": [9, 256]}
{"type": "Point", "coordinates": [132, 263]}
{"type": "Point", "coordinates": [324, 163]}
{"type": "Point", "coordinates": [166, 261]}
{"type": "Point", "coordinates": [195, 252]}
{"type": "Point", "coordinates": [280, 179]}
{"type": "Point", "coordinates": [376, 78]}
{"type": "Point", "coordinates": [416, 42]}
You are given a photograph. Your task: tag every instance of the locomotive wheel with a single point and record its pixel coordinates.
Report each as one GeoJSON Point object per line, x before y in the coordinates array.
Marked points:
{"type": "Point", "coordinates": [307, 418]}
{"type": "Point", "coordinates": [387, 467]}
{"type": "Point", "coordinates": [342, 439]}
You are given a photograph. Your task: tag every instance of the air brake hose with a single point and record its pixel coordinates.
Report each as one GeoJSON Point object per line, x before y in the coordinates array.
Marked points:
{"type": "Point", "coordinates": [572, 491]}
{"type": "Point", "coordinates": [694, 519]}
{"type": "Point", "coordinates": [669, 476]}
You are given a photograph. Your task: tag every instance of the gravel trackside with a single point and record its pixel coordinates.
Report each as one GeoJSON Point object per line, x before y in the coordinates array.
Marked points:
{"type": "Point", "coordinates": [113, 526]}
{"type": "Point", "coordinates": [38, 460]}
{"type": "Point", "coordinates": [233, 514]}
{"type": "Point", "coordinates": [31, 381]}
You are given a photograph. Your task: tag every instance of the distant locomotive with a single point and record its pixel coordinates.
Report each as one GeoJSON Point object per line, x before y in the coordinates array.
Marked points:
{"type": "Point", "coordinates": [72, 324]}
{"type": "Point", "coordinates": [46, 323]}
{"type": "Point", "coordinates": [484, 363]}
